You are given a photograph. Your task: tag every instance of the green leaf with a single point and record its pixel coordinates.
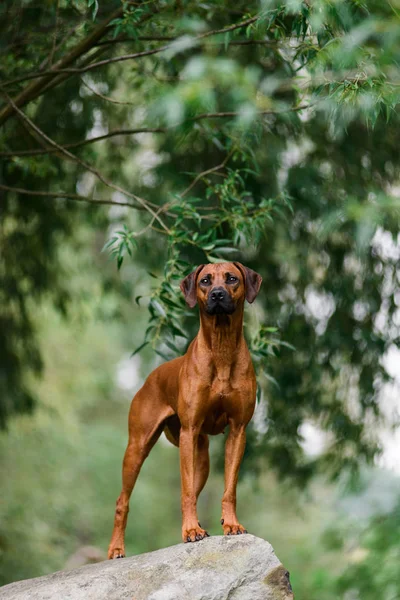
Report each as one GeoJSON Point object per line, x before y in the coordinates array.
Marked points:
{"type": "Point", "coordinates": [172, 346]}
{"type": "Point", "coordinates": [177, 331]}
{"type": "Point", "coordinates": [227, 250]}
{"type": "Point", "coordinates": [271, 379]}
{"type": "Point", "coordinates": [164, 356]}
{"type": "Point", "coordinates": [290, 346]}
{"type": "Point", "coordinates": [95, 5]}
{"type": "Point", "coordinates": [158, 307]}
{"type": "Point", "coordinates": [109, 243]}
{"type": "Point", "coordinates": [227, 39]}
{"type": "Point", "coordinates": [139, 348]}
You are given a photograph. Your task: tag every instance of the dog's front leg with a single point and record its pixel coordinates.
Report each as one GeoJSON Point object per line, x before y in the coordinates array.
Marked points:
{"type": "Point", "coordinates": [188, 441]}
{"type": "Point", "coordinates": [234, 449]}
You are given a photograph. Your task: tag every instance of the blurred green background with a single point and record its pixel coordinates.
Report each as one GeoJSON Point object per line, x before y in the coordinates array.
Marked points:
{"type": "Point", "coordinates": [267, 133]}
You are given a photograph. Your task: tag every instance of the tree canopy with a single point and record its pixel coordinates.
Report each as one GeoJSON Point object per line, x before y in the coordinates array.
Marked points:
{"type": "Point", "coordinates": [191, 132]}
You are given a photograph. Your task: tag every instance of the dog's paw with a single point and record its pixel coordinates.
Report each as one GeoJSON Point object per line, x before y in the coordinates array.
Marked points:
{"type": "Point", "coordinates": [232, 529]}
{"type": "Point", "coordinates": [116, 553]}
{"type": "Point", "coordinates": [194, 534]}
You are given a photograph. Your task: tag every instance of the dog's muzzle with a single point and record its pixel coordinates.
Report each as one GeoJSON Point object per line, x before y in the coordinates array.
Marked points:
{"type": "Point", "coordinates": [219, 302]}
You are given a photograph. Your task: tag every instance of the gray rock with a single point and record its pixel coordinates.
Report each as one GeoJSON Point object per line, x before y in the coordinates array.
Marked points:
{"type": "Point", "coordinates": [217, 568]}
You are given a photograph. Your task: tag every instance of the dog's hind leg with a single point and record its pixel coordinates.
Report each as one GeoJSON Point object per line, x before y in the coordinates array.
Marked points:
{"type": "Point", "coordinates": [146, 423]}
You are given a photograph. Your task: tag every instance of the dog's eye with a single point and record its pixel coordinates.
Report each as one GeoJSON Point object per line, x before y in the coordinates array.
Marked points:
{"type": "Point", "coordinates": [232, 279]}
{"type": "Point", "coordinates": [205, 281]}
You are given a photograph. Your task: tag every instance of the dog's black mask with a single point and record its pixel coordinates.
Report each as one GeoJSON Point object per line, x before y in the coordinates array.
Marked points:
{"type": "Point", "coordinates": [219, 302]}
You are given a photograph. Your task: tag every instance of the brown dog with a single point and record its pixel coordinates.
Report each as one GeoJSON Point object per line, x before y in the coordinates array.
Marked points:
{"type": "Point", "coordinates": [213, 385]}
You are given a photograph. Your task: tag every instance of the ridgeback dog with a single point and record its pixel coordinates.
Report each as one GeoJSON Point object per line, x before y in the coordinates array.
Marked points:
{"type": "Point", "coordinates": [196, 395]}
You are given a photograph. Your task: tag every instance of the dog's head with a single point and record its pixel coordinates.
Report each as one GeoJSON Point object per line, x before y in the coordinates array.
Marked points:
{"type": "Point", "coordinates": [221, 288]}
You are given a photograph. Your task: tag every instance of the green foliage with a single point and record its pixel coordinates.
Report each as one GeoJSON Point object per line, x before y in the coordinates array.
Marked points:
{"type": "Point", "coordinates": [187, 133]}
{"type": "Point", "coordinates": [127, 24]}
{"type": "Point", "coordinates": [123, 242]}
{"type": "Point", "coordinates": [269, 135]}
{"type": "Point", "coordinates": [95, 7]}
{"type": "Point", "coordinates": [375, 572]}
{"type": "Point", "coordinates": [215, 234]}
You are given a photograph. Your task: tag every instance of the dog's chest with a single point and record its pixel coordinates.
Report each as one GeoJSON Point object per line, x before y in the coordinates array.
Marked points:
{"type": "Point", "coordinates": [224, 372]}
{"type": "Point", "coordinates": [221, 401]}
{"type": "Point", "coordinates": [225, 394]}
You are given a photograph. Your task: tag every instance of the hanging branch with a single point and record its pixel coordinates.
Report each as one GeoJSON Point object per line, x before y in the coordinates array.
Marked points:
{"type": "Point", "coordinates": [106, 98]}
{"type": "Point", "coordinates": [146, 38]}
{"type": "Point", "coordinates": [207, 172]}
{"type": "Point", "coordinates": [61, 68]}
{"type": "Point", "coordinates": [116, 132]}
{"type": "Point", "coordinates": [36, 88]}
{"type": "Point", "coordinates": [84, 164]}
{"type": "Point", "coordinates": [155, 214]}
{"type": "Point", "coordinates": [68, 196]}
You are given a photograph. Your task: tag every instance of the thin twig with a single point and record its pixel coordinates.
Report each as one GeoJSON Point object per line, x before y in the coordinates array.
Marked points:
{"type": "Point", "coordinates": [67, 36]}
{"type": "Point", "coordinates": [229, 28]}
{"type": "Point", "coordinates": [107, 98]}
{"type": "Point", "coordinates": [90, 67]}
{"type": "Point", "coordinates": [224, 115]}
{"type": "Point", "coordinates": [163, 208]}
{"type": "Point", "coordinates": [53, 47]}
{"type": "Point", "coordinates": [58, 79]}
{"type": "Point", "coordinates": [140, 38]}
{"type": "Point", "coordinates": [110, 134]}
{"type": "Point", "coordinates": [116, 132]}
{"type": "Point", "coordinates": [146, 38]}
{"type": "Point", "coordinates": [68, 196]}
{"type": "Point", "coordinates": [207, 172]}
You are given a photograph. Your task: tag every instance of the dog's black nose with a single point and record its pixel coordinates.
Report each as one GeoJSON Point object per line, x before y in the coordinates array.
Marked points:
{"type": "Point", "coordinates": [218, 294]}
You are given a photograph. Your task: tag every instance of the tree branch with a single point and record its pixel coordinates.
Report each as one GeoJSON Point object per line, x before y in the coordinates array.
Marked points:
{"type": "Point", "coordinates": [68, 36]}
{"type": "Point", "coordinates": [59, 69]}
{"type": "Point", "coordinates": [145, 38]}
{"type": "Point", "coordinates": [110, 134]}
{"type": "Point", "coordinates": [207, 172]}
{"type": "Point", "coordinates": [58, 79]}
{"type": "Point", "coordinates": [54, 44]}
{"type": "Point", "coordinates": [68, 196]}
{"type": "Point", "coordinates": [107, 98]}
{"type": "Point", "coordinates": [84, 164]}
{"type": "Point", "coordinates": [140, 38]}
{"type": "Point", "coordinates": [116, 132]}
{"type": "Point", "coordinates": [224, 115]}
{"type": "Point", "coordinates": [35, 89]}
{"type": "Point", "coordinates": [32, 90]}
{"type": "Point", "coordinates": [84, 69]}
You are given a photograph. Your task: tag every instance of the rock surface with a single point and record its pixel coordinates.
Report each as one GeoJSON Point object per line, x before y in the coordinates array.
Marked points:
{"type": "Point", "coordinates": [217, 568]}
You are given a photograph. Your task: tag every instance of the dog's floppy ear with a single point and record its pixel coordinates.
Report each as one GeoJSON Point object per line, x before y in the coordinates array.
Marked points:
{"type": "Point", "coordinates": [252, 281]}
{"type": "Point", "coordinates": [188, 287]}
